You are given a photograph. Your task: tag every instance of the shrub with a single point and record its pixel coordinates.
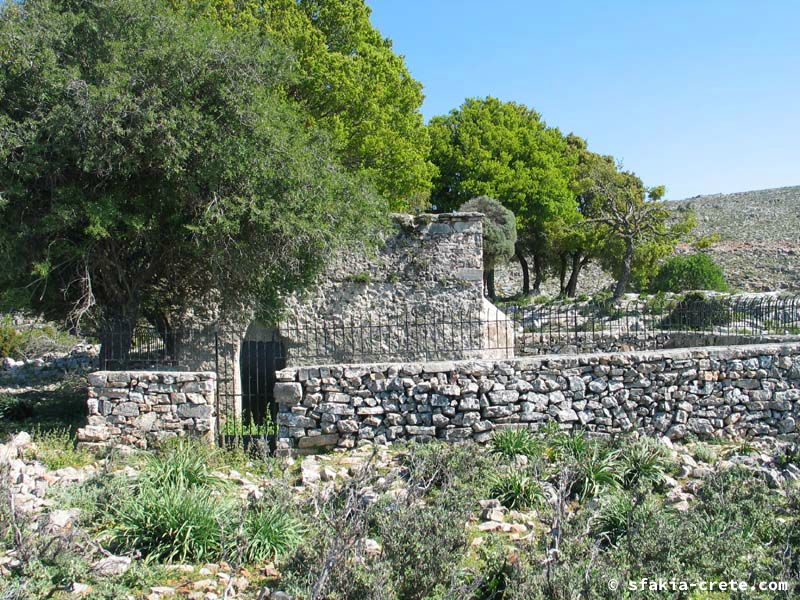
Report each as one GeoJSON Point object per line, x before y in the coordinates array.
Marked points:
{"type": "Point", "coordinates": [696, 311]}
{"type": "Point", "coordinates": [182, 463]}
{"type": "Point", "coordinates": [172, 522]}
{"type": "Point", "coordinates": [269, 532]}
{"type": "Point", "coordinates": [619, 513]}
{"type": "Point", "coordinates": [15, 408]}
{"type": "Point", "coordinates": [644, 462]}
{"type": "Point", "coordinates": [431, 534]}
{"type": "Point", "coordinates": [683, 273]}
{"type": "Point", "coordinates": [517, 490]}
{"type": "Point", "coordinates": [440, 466]}
{"type": "Point", "coordinates": [57, 449]}
{"type": "Point", "coordinates": [704, 453]}
{"type": "Point", "coordinates": [10, 340]}
{"type": "Point", "coordinates": [512, 442]}
{"type": "Point", "coordinates": [594, 471]}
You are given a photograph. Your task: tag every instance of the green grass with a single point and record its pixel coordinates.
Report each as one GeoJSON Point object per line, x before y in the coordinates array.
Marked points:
{"type": "Point", "coordinates": [513, 442]}
{"type": "Point", "coordinates": [517, 490]}
{"type": "Point", "coordinates": [644, 462]}
{"type": "Point", "coordinates": [57, 449]}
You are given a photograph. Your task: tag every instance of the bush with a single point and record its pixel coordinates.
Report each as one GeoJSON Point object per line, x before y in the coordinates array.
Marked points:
{"type": "Point", "coordinates": [683, 273]}
{"type": "Point", "coordinates": [644, 462]}
{"type": "Point", "coordinates": [512, 442]}
{"type": "Point", "coordinates": [619, 513]}
{"type": "Point", "coordinates": [15, 408]}
{"type": "Point", "coordinates": [10, 340]}
{"type": "Point", "coordinates": [596, 470]}
{"type": "Point", "coordinates": [696, 311]}
{"type": "Point", "coordinates": [57, 449]}
{"type": "Point", "coordinates": [35, 341]}
{"type": "Point", "coordinates": [172, 522]}
{"type": "Point", "coordinates": [269, 532]}
{"type": "Point", "coordinates": [517, 490]}
{"type": "Point", "coordinates": [181, 463]}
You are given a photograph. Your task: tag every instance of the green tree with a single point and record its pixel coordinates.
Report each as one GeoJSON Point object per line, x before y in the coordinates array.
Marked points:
{"type": "Point", "coordinates": [350, 81]}
{"type": "Point", "coordinates": [505, 150]}
{"type": "Point", "coordinates": [148, 159]}
{"type": "Point", "coordinates": [499, 235]}
{"type": "Point", "coordinates": [574, 244]}
{"type": "Point", "coordinates": [635, 221]}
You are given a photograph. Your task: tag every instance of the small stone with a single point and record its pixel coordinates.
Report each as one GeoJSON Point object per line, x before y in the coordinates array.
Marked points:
{"type": "Point", "coordinates": [111, 565]}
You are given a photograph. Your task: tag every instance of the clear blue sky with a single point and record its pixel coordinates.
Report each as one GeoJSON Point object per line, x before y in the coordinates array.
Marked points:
{"type": "Point", "coordinates": [700, 95]}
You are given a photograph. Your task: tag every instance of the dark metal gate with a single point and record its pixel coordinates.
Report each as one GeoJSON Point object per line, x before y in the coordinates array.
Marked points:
{"type": "Point", "coordinates": [246, 409]}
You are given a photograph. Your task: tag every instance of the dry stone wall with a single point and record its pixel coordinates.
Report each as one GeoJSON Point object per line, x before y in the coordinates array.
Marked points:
{"type": "Point", "coordinates": [738, 391]}
{"type": "Point", "coordinates": [139, 408]}
{"type": "Point", "coordinates": [380, 302]}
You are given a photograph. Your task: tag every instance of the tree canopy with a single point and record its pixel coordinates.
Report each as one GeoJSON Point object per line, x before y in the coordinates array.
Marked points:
{"type": "Point", "coordinates": [148, 159]}
{"type": "Point", "coordinates": [505, 150]}
{"type": "Point", "coordinates": [349, 81]}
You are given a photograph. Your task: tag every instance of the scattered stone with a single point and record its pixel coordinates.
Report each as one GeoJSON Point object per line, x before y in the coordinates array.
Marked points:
{"type": "Point", "coordinates": [111, 566]}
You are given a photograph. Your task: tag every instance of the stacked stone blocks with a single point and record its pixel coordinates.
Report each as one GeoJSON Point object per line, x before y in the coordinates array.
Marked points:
{"type": "Point", "coordinates": [140, 408]}
{"type": "Point", "coordinates": [739, 391]}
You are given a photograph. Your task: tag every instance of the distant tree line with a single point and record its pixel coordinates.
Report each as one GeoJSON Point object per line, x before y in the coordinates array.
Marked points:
{"type": "Point", "coordinates": [160, 152]}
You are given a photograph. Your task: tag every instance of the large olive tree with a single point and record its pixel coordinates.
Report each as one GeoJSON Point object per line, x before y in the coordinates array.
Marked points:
{"type": "Point", "coordinates": [150, 160]}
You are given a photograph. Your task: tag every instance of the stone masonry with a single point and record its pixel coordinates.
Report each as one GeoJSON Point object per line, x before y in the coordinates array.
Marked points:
{"type": "Point", "coordinates": [738, 391]}
{"type": "Point", "coordinates": [139, 408]}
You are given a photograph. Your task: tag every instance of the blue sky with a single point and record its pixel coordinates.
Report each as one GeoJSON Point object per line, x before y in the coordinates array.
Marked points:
{"type": "Point", "coordinates": [702, 96]}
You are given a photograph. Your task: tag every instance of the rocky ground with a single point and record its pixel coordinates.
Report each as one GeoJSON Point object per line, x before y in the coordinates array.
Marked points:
{"type": "Point", "coordinates": [38, 502]}
{"type": "Point", "coordinates": [758, 235]}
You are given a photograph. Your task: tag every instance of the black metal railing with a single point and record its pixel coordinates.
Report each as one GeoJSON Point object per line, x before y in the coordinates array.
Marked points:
{"type": "Point", "coordinates": [425, 333]}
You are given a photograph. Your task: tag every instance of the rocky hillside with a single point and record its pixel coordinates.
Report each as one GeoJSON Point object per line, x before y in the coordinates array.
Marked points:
{"type": "Point", "coordinates": [759, 231]}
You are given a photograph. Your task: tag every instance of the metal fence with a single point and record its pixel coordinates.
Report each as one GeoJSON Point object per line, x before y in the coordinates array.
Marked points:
{"type": "Point", "coordinates": [422, 333]}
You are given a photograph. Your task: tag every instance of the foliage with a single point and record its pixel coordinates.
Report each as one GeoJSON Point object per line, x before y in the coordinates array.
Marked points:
{"type": "Point", "coordinates": [516, 489]}
{"type": "Point", "coordinates": [697, 311]}
{"type": "Point", "coordinates": [619, 512]}
{"type": "Point", "coordinates": [704, 453]}
{"type": "Point", "coordinates": [172, 522]}
{"type": "Point", "coordinates": [636, 222]}
{"type": "Point", "coordinates": [14, 407]}
{"type": "Point", "coordinates": [643, 463]}
{"type": "Point", "coordinates": [149, 158]}
{"type": "Point", "coordinates": [683, 273]}
{"type": "Point", "coordinates": [180, 463]}
{"type": "Point", "coordinates": [10, 339]}
{"type": "Point", "coordinates": [512, 442]}
{"type": "Point", "coordinates": [349, 81]}
{"type": "Point", "coordinates": [57, 448]}
{"type": "Point", "coordinates": [269, 532]}
{"type": "Point", "coordinates": [596, 471]}
{"type": "Point", "coordinates": [504, 150]}
{"type": "Point", "coordinates": [60, 406]}
{"type": "Point", "coordinates": [499, 230]}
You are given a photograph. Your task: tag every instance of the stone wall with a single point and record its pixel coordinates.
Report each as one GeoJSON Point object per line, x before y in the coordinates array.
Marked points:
{"type": "Point", "coordinates": [139, 408]}
{"type": "Point", "coordinates": [374, 302]}
{"type": "Point", "coordinates": [738, 391]}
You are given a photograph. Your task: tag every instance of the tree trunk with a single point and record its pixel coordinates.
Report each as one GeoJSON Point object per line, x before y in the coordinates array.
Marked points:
{"type": "Point", "coordinates": [538, 271]}
{"type": "Point", "coordinates": [117, 338]}
{"type": "Point", "coordinates": [488, 278]}
{"type": "Point", "coordinates": [577, 264]}
{"type": "Point", "coordinates": [625, 273]}
{"type": "Point", "coordinates": [562, 274]}
{"type": "Point", "coordinates": [526, 274]}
